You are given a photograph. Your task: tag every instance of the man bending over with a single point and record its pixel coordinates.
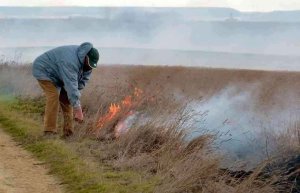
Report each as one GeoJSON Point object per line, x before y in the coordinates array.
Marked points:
{"type": "Point", "coordinates": [62, 72]}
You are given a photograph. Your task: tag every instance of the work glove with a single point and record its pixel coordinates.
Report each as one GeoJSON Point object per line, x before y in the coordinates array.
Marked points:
{"type": "Point", "coordinates": [78, 115]}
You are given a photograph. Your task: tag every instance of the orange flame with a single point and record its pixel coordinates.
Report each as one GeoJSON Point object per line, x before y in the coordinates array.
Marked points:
{"type": "Point", "coordinates": [112, 112]}
{"type": "Point", "coordinates": [115, 109]}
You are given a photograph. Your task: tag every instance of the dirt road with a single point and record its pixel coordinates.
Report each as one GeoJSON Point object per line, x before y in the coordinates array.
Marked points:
{"type": "Point", "coordinates": [20, 172]}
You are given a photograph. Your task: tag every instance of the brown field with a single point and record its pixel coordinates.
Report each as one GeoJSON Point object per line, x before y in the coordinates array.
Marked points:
{"type": "Point", "coordinates": [271, 87]}
{"type": "Point", "coordinates": [204, 82]}
{"type": "Point", "coordinates": [158, 147]}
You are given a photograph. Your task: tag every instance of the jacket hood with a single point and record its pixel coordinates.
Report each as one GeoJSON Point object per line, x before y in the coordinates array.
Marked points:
{"type": "Point", "coordinates": [83, 50]}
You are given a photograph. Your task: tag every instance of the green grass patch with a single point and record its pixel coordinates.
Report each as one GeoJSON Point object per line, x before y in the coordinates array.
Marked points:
{"type": "Point", "coordinates": [29, 105]}
{"type": "Point", "coordinates": [77, 174]}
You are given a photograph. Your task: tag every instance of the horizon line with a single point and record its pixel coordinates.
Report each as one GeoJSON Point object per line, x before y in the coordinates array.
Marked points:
{"type": "Point", "coordinates": [133, 6]}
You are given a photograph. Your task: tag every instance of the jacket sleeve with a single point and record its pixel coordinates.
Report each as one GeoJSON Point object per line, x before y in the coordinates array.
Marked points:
{"type": "Point", "coordinates": [85, 78]}
{"type": "Point", "coordinates": [69, 75]}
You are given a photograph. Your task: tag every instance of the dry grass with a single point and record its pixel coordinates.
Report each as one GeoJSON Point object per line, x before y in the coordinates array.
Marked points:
{"type": "Point", "coordinates": [112, 83]}
{"type": "Point", "coordinates": [17, 79]}
{"type": "Point", "coordinates": [158, 147]}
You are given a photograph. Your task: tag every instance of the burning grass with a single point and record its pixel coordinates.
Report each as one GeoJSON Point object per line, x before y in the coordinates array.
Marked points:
{"type": "Point", "coordinates": [114, 121]}
{"type": "Point", "coordinates": [163, 153]}
{"type": "Point", "coordinates": [138, 120]}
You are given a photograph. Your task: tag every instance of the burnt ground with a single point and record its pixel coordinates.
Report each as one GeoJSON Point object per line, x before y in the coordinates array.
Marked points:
{"type": "Point", "coordinates": [287, 172]}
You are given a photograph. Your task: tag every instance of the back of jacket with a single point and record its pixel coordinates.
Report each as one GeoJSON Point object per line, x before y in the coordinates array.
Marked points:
{"type": "Point", "coordinates": [64, 67]}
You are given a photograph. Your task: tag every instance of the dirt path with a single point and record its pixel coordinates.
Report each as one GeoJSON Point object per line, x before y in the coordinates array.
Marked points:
{"type": "Point", "coordinates": [20, 172]}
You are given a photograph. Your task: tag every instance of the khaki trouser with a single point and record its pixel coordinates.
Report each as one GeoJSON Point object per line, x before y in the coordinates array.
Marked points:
{"type": "Point", "coordinates": [53, 97]}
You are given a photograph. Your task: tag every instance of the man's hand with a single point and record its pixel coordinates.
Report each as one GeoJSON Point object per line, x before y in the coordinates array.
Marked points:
{"type": "Point", "coordinates": [78, 115]}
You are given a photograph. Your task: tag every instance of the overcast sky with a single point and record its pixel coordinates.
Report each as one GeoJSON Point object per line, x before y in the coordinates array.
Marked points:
{"type": "Point", "coordinates": [243, 5]}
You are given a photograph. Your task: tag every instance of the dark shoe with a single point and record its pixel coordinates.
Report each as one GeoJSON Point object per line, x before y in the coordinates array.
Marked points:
{"type": "Point", "coordinates": [50, 135]}
{"type": "Point", "coordinates": [67, 134]}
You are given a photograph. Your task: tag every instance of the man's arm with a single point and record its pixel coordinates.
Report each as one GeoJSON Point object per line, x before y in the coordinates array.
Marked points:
{"type": "Point", "coordinates": [69, 76]}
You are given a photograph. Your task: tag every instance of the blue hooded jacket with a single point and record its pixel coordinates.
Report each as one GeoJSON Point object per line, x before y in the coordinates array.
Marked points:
{"type": "Point", "coordinates": [64, 67]}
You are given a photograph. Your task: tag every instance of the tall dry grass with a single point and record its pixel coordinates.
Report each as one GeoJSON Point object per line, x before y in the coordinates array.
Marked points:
{"type": "Point", "coordinates": [157, 143]}
{"type": "Point", "coordinates": [17, 79]}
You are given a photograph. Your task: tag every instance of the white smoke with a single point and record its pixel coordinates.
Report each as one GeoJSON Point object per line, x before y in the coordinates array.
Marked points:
{"type": "Point", "coordinates": [243, 130]}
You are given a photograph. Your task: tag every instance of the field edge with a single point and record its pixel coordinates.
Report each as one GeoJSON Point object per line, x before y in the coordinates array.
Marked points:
{"type": "Point", "coordinates": [74, 173]}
